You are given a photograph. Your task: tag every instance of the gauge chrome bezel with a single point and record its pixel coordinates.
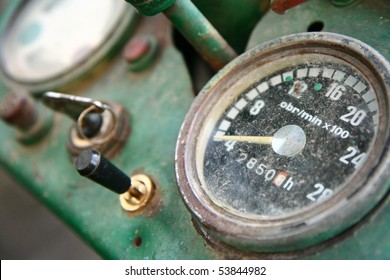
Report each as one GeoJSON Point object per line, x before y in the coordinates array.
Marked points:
{"type": "Point", "coordinates": [119, 31]}
{"type": "Point", "coordinates": [315, 224]}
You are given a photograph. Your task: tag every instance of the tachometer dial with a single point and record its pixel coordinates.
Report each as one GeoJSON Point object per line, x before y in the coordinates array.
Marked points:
{"type": "Point", "coordinates": [286, 146]}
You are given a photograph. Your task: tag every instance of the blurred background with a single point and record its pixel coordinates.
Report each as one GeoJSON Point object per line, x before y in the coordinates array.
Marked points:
{"type": "Point", "coordinates": [31, 231]}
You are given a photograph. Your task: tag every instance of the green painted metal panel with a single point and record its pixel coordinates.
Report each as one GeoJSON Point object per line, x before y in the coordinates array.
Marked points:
{"type": "Point", "coordinates": [158, 100]}
{"type": "Point", "coordinates": [156, 110]}
{"type": "Point", "coordinates": [368, 21]}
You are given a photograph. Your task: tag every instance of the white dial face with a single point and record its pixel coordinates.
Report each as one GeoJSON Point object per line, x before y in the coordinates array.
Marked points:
{"type": "Point", "coordinates": [49, 37]}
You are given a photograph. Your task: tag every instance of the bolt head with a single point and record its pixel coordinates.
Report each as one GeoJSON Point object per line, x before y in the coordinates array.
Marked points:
{"type": "Point", "coordinates": [18, 109]}
{"type": "Point", "coordinates": [140, 52]}
{"type": "Point", "coordinates": [137, 48]}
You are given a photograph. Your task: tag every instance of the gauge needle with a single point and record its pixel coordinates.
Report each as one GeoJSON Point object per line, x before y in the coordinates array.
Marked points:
{"type": "Point", "coordinates": [250, 139]}
{"type": "Point", "coordinates": [288, 141]}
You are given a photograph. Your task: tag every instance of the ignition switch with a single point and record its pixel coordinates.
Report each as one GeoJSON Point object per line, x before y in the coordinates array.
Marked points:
{"type": "Point", "coordinates": [101, 125]}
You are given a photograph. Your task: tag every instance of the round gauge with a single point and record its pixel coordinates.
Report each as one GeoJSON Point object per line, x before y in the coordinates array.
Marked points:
{"type": "Point", "coordinates": [287, 145]}
{"type": "Point", "coordinates": [46, 39]}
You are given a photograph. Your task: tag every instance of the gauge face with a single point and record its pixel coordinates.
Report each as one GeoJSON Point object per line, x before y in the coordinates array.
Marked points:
{"type": "Point", "coordinates": [281, 142]}
{"type": "Point", "coordinates": [320, 120]}
{"type": "Point", "coordinates": [47, 38]}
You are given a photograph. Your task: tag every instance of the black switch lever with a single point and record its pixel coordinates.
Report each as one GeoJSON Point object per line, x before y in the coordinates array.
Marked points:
{"type": "Point", "coordinates": [135, 193]}
{"type": "Point", "coordinates": [91, 164]}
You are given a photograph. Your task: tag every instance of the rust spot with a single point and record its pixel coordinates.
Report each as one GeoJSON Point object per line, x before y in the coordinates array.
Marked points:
{"type": "Point", "coordinates": [377, 4]}
{"type": "Point", "coordinates": [282, 6]}
{"type": "Point", "coordinates": [297, 89]}
{"type": "Point", "coordinates": [137, 242]}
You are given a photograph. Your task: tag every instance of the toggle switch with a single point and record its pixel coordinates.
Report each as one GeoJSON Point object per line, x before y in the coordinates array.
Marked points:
{"type": "Point", "coordinates": [104, 126]}
{"type": "Point", "coordinates": [135, 192]}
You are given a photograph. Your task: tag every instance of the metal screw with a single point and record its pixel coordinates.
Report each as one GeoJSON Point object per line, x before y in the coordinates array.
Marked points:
{"type": "Point", "coordinates": [135, 49]}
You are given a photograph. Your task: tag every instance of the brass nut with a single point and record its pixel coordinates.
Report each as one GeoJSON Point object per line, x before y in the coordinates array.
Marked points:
{"type": "Point", "coordinates": [142, 184]}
